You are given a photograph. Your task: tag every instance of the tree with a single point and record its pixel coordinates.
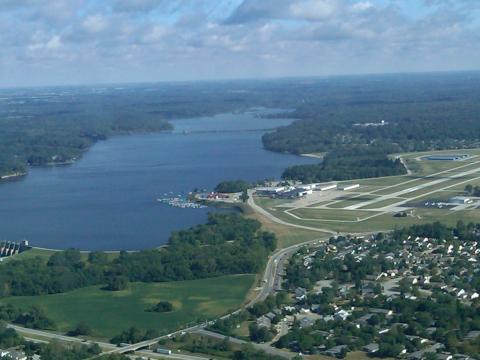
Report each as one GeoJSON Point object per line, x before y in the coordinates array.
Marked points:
{"type": "Point", "coordinates": [469, 189]}
{"type": "Point", "coordinates": [81, 329]}
{"type": "Point", "coordinates": [116, 283]}
{"type": "Point", "coordinates": [244, 197]}
{"type": "Point", "coordinates": [162, 307]}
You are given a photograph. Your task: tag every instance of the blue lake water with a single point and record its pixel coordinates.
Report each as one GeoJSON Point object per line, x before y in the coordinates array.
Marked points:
{"type": "Point", "coordinates": [106, 200]}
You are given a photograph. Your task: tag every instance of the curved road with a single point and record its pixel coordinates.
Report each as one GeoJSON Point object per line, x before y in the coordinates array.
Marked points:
{"type": "Point", "coordinates": [273, 218]}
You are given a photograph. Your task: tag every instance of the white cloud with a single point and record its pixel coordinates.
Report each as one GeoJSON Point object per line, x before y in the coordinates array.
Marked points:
{"type": "Point", "coordinates": [178, 39]}
{"type": "Point", "coordinates": [95, 23]}
{"type": "Point", "coordinates": [314, 9]}
{"type": "Point", "coordinates": [156, 33]}
{"type": "Point", "coordinates": [362, 6]}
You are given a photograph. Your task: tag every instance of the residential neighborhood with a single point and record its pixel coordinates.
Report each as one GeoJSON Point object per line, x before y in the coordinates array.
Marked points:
{"type": "Point", "coordinates": [402, 295]}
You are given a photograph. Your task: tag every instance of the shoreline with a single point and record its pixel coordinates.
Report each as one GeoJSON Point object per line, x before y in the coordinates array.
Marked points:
{"type": "Point", "coordinates": [12, 176]}
{"type": "Point", "coordinates": [315, 156]}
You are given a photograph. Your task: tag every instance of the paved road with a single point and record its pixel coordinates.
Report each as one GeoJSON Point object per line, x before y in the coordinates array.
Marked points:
{"type": "Point", "coordinates": [35, 334]}
{"type": "Point", "coordinates": [273, 218]}
{"type": "Point", "coordinates": [264, 347]}
{"type": "Point", "coordinates": [152, 355]}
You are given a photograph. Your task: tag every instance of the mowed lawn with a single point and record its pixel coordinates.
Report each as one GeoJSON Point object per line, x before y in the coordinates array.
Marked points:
{"type": "Point", "coordinates": [108, 313]}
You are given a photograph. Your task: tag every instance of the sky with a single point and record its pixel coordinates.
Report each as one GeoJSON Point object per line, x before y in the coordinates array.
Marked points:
{"type": "Point", "coordinates": [58, 42]}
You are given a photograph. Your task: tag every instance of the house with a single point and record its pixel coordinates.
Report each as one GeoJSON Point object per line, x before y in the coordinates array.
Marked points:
{"type": "Point", "coordinates": [12, 355]}
{"type": "Point", "coordinates": [472, 335]}
{"type": "Point", "coordinates": [363, 320]}
{"type": "Point", "coordinates": [444, 356]}
{"type": "Point", "coordinates": [263, 321]}
{"type": "Point", "coordinates": [336, 351]}
{"type": "Point", "coordinates": [371, 348]}
{"type": "Point", "coordinates": [306, 322]}
{"type": "Point", "coordinates": [300, 293]}
{"type": "Point", "coordinates": [342, 315]}
{"type": "Point", "coordinates": [419, 355]}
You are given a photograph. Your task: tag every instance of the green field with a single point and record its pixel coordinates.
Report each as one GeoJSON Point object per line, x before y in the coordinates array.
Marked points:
{"type": "Point", "coordinates": [383, 203]}
{"type": "Point", "coordinates": [321, 203]}
{"type": "Point", "coordinates": [324, 214]}
{"type": "Point", "coordinates": [109, 313]}
{"type": "Point", "coordinates": [45, 254]}
{"type": "Point", "coordinates": [30, 254]}
{"type": "Point", "coordinates": [384, 181]}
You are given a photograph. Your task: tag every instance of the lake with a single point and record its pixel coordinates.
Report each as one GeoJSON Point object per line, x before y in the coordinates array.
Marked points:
{"type": "Point", "coordinates": [107, 199]}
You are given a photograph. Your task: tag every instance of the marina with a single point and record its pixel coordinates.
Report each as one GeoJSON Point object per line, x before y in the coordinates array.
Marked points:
{"type": "Point", "coordinates": [180, 201]}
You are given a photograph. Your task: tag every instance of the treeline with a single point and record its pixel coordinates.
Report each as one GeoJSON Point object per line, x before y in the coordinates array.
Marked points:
{"type": "Point", "coordinates": [226, 244]}
{"type": "Point", "coordinates": [232, 186]}
{"type": "Point", "coordinates": [347, 164]}
{"type": "Point", "coordinates": [33, 318]}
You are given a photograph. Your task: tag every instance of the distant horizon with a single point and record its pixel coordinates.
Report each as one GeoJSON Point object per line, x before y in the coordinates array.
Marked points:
{"type": "Point", "coordinates": [76, 42]}
{"type": "Point", "coordinates": [247, 79]}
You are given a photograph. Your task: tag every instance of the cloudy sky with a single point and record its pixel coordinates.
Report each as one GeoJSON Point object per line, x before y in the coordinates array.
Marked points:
{"type": "Point", "coordinates": [96, 41]}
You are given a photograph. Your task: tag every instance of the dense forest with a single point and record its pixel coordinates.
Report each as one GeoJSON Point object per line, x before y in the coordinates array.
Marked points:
{"type": "Point", "coordinates": [232, 186]}
{"type": "Point", "coordinates": [227, 244]}
{"type": "Point", "coordinates": [420, 112]}
{"type": "Point", "coordinates": [355, 163]}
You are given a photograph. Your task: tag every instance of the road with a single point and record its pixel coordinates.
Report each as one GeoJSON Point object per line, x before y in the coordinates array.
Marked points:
{"type": "Point", "coordinates": [264, 347]}
{"type": "Point", "coordinates": [269, 216]}
{"type": "Point", "coordinates": [41, 334]}
{"type": "Point", "coordinates": [152, 355]}
{"type": "Point", "coordinates": [272, 270]}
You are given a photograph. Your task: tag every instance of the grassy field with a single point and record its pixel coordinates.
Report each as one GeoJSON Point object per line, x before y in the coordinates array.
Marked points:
{"type": "Point", "coordinates": [46, 253]}
{"type": "Point", "coordinates": [338, 214]}
{"type": "Point", "coordinates": [288, 235]}
{"type": "Point", "coordinates": [382, 203]}
{"type": "Point", "coordinates": [30, 254]}
{"type": "Point", "coordinates": [108, 313]}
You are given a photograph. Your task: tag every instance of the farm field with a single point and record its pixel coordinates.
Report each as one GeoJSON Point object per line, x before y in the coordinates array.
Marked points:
{"type": "Point", "coordinates": [110, 312]}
